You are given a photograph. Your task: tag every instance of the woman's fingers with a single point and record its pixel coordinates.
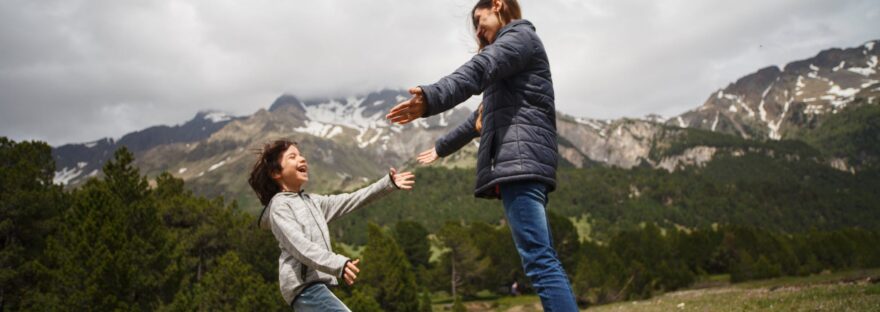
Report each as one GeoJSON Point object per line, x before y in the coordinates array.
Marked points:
{"type": "Point", "coordinates": [402, 106]}
{"type": "Point", "coordinates": [401, 118]}
{"type": "Point", "coordinates": [427, 156]}
{"type": "Point", "coordinates": [409, 110]}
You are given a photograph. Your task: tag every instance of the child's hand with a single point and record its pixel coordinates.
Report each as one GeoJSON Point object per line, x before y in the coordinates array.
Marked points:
{"type": "Point", "coordinates": [403, 180]}
{"type": "Point", "coordinates": [350, 272]}
{"type": "Point", "coordinates": [428, 156]}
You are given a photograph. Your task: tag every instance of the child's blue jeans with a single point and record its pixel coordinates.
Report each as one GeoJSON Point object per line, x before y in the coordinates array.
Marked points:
{"type": "Point", "coordinates": [524, 203]}
{"type": "Point", "coordinates": [318, 297]}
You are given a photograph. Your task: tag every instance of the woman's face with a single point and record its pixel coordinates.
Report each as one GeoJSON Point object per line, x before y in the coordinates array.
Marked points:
{"type": "Point", "coordinates": [487, 24]}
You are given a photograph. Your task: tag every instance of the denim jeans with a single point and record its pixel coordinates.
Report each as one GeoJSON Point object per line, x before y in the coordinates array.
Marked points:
{"type": "Point", "coordinates": [524, 203]}
{"type": "Point", "coordinates": [318, 297]}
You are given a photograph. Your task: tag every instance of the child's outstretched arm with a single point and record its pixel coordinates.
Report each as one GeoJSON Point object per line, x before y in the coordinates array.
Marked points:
{"type": "Point", "coordinates": [335, 206]}
{"type": "Point", "coordinates": [290, 234]}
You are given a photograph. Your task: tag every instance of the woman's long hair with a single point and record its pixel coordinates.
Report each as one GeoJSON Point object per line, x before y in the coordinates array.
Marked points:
{"type": "Point", "coordinates": [267, 164]}
{"type": "Point", "coordinates": [509, 12]}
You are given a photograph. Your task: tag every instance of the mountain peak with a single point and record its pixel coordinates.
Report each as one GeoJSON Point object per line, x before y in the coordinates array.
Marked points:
{"type": "Point", "coordinates": [285, 100]}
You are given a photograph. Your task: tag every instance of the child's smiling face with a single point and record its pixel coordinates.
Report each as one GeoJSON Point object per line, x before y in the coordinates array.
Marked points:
{"type": "Point", "coordinates": [294, 170]}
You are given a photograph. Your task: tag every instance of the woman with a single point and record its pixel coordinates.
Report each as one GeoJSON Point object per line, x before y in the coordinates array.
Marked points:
{"type": "Point", "coordinates": [517, 157]}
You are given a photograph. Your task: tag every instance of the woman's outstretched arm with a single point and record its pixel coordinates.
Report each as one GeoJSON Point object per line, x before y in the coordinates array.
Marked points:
{"type": "Point", "coordinates": [509, 54]}
{"type": "Point", "coordinates": [458, 137]}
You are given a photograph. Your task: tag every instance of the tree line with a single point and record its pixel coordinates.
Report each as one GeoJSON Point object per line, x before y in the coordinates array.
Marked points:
{"type": "Point", "coordinates": [127, 242]}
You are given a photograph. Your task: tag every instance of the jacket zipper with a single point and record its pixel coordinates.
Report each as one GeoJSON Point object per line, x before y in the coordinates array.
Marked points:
{"type": "Point", "coordinates": [312, 213]}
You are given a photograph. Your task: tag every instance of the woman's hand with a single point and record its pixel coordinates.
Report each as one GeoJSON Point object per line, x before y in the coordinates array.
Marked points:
{"type": "Point", "coordinates": [403, 180]}
{"type": "Point", "coordinates": [428, 156]}
{"type": "Point", "coordinates": [409, 110]}
{"type": "Point", "coordinates": [350, 271]}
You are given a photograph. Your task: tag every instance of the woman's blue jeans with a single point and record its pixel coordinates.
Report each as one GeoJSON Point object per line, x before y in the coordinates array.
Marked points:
{"type": "Point", "coordinates": [524, 206]}
{"type": "Point", "coordinates": [318, 297]}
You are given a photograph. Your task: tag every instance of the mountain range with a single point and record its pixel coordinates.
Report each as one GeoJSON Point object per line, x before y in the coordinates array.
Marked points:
{"type": "Point", "coordinates": [348, 142]}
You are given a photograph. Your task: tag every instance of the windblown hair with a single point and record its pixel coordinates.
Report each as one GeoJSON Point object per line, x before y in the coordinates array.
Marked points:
{"type": "Point", "coordinates": [509, 12]}
{"type": "Point", "coordinates": [267, 164]}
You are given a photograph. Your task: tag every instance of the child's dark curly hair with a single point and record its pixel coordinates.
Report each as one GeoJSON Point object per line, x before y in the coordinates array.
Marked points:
{"type": "Point", "coordinates": [268, 163]}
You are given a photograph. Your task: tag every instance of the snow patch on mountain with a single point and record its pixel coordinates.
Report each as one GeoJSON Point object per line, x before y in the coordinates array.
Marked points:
{"type": "Point", "coordinates": [715, 123]}
{"type": "Point", "coordinates": [814, 109]}
{"type": "Point", "coordinates": [866, 71]}
{"type": "Point", "coordinates": [869, 83]}
{"type": "Point", "coordinates": [597, 125]}
{"type": "Point", "coordinates": [319, 129]}
{"type": "Point", "coordinates": [217, 165]}
{"type": "Point", "coordinates": [216, 117]}
{"type": "Point", "coordinates": [68, 174]}
{"type": "Point", "coordinates": [349, 114]}
{"type": "Point", "coordinates": [840, 97]}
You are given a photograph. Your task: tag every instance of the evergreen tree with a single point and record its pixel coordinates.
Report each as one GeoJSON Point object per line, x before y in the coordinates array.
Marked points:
{"type": "Point", "coordinates": [386, 268]}
{"type": "Point", "coordinates": [565, 240]}
{"type": "Point", "coordinates": [463, 262]}
{"type": "Point", "coordinates": [111, 250]}
{"type": "Point", "coordinates": [425, 302]}
{"type": "Point", "coordinates": [28, 203]}
{"type": "Point", "coordinates": [495, 245]}
{"type": "Point", "coordinates": [362, 299]}
{"type": "Point", "coordinates": [457, 305]}
{"type": "Point", "coordinates": [232, 285]}
{"type": "Point", "coordinates": [413, 239]}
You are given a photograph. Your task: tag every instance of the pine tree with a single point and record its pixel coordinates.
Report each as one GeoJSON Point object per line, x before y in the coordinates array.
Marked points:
{"type": "Point", "coordinates": [28, 203]}
{"type": "Point", "coordinates": [362, 299]}
{"type": "Point", "coordinates": [463, 259]}
{"type": "Point", "coordinates": [386, 268]}
{"type": "Point", "coordinates": [457, 305]}
{"type": "Point", "coordinates": [111, 250]}
{"type": "Point", "coordinates": [413, 239]}
{"type": "Point", "coordinates": [232, 285]}
{"type": "Point", "coordinates": [425, 302]}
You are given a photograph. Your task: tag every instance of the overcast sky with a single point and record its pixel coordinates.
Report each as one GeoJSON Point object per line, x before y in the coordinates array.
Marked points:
{"type": "Point", "coordinates": [76, 71]}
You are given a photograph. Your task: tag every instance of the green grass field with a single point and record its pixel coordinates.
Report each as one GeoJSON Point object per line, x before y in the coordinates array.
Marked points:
{"type": "Point", "coordinates": [844, 291]}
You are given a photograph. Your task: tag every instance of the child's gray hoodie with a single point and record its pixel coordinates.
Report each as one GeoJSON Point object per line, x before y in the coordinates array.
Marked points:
{"type": "Point", "coordinates": [299, 223]}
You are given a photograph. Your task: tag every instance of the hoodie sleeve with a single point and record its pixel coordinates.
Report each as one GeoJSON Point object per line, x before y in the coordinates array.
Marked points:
{"type": "Point", "coordinates": [335, 206]}
{"type": "Point", "coordinates": [509, 54]}
{"type": "Point", "coordinates": [292, 238]}
{"type": "Point", "coordinates": [458, 137]}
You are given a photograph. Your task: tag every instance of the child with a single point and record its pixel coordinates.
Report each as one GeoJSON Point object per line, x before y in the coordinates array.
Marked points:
{"type": "Point", "coordinates": [299, 222]}
{"type": "Point", "coordinates": [516, 124]}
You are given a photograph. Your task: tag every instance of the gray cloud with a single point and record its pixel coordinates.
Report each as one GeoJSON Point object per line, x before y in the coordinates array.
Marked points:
{"type": "Point", "coordinates": [74, 71]}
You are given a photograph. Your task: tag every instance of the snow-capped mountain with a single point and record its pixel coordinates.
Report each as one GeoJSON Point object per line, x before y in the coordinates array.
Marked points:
{"type": "Point", "coordinates": [348, 141]}
{"type": "Point", "coordinates": [80, 161]}
{"type": "Point", "coordinates": [774, 103]}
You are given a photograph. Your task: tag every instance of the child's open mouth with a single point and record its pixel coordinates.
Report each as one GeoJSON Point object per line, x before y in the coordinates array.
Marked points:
{"type": "Point", "coordinates": [302, 169]}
